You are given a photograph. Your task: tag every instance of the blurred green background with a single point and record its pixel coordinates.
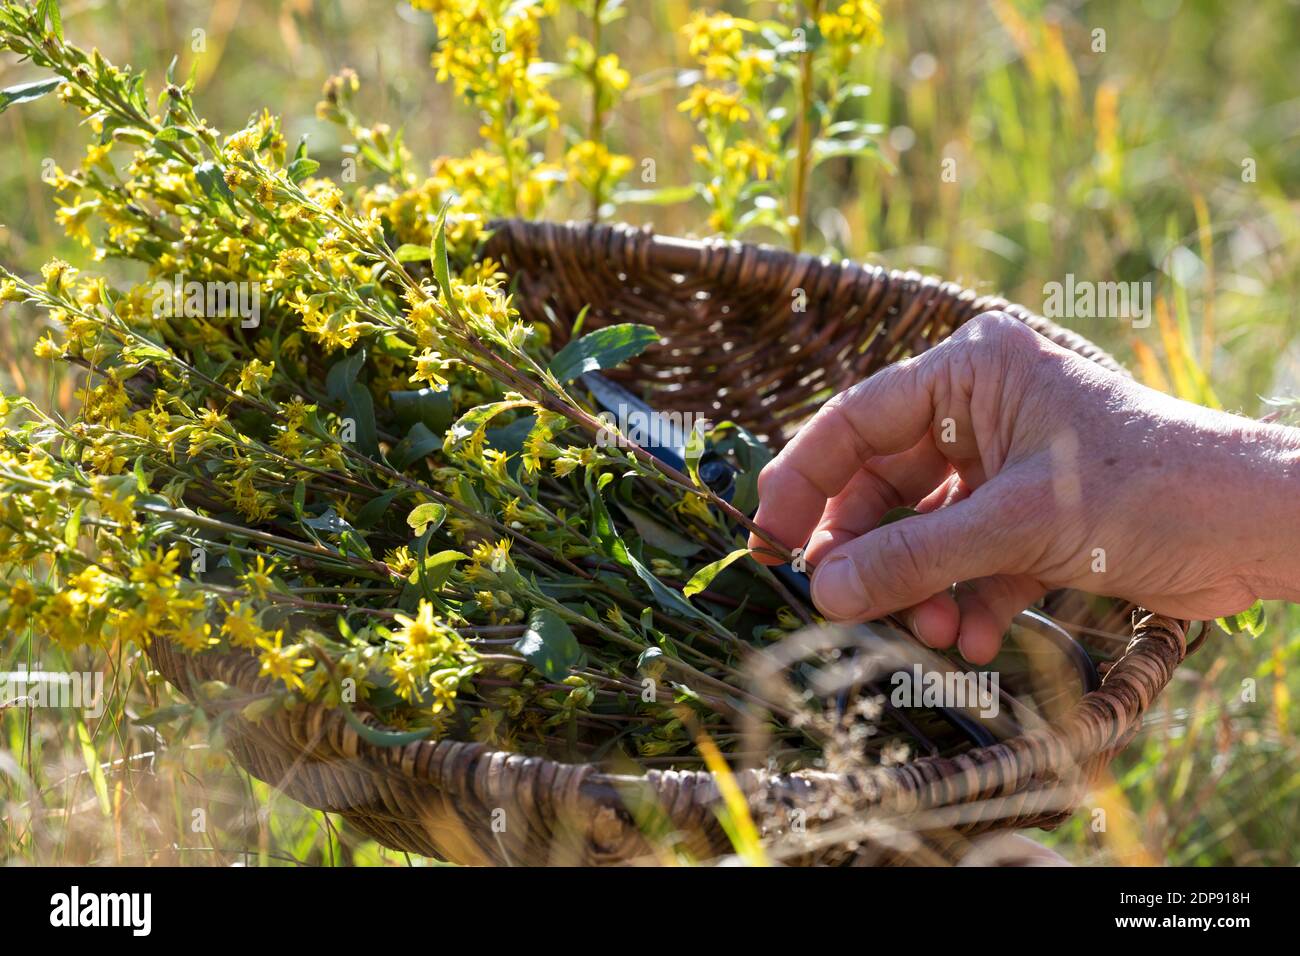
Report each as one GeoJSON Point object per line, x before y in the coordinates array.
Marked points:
{"type": "Point", "coordinates": [1142, 141]}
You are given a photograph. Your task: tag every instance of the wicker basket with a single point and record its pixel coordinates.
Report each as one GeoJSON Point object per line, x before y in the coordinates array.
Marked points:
{"type": "Point", "coordinates": [732, 344]}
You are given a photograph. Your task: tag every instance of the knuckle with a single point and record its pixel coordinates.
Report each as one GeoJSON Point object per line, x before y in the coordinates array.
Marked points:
{"type": "Point", "coordinates": [994, 347]}
{"type": "Point", "coordinates": [997, 332]}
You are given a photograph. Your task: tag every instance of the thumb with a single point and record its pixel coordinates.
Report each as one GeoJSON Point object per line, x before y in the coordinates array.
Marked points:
{"type": "Point", "coordinates": [905, 562]}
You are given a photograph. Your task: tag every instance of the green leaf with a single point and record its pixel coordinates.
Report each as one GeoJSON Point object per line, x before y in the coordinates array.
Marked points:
{"type": "Point", "coordinates": [659, 535]}
{"type": "Point", "coordinates": [751, 454]}
{"type": "Point", "coordinates": [896, 514]}
{"type": "Point", "coordinates": [141, 478]}
{"type": "Point", "coordinates": [93, 768]}
{"type": "Point", "coordinates": [301, 168]}
{"type": "Point", "coordinates": [213, 183]}
{"type": "Point", "coordinates": [432, 406]}
{"type": "Point", "coordinates": [26, 92]}
{"type": "Point", "coordinates": [825, 149]}
{"type": "Point", "coordinates": [477, 419]}
{"type": "Point", "coordinates": [375, 508]}
{"type": "Point", "coordinates": [667, 196]}
{"type": "Point", "coordinates": [72, 531]}
{"type": "Point", "coordinates": [692, 453]}
{"type": "Point", "coordinates": [1250, 621]}
{"type": "Point", "coordinates": [549, 644]}
{"type": "Point", "coordinates": [382, 738]}
{"type": "Point", "coordinates": [343, 373]}
{"type": "Point", "coordinates": [164, 715]}
{"type": "Point", "coordinates": [651, 655]}
{"type": "Point", "coordinates": [604, 348]}
{"type": "Point", "coordinates": [408, 252]}
{"type": "Point", "coordinates": [422, 516]}
{"type": "Point", "coordinates": [436, 568]}
{"type": "Point", "coordinates": [358, 404]}
{"type": "Point", "coordinates": [418, 443]}
{"type": "Point", "coordinates": [138, 137]}
{"type": "Point", "coordinates": [329, 522]}
{"type": "Point", "coordinates": [48, 12]}
{"type": "Point", "coordinates": [702, 578]}
{"type": "Point", "coordinates": [580, 321]}
{"type": "Point", "coordinates": [352, 543]}
{"type": "Point", "coordinates": [361, 408]}
{"type": "Point", "coordinates": [438, 259]}
{"type": "Point", "coordinates": [607, 536]}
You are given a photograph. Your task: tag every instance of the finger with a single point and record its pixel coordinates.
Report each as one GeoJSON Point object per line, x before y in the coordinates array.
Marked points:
{"type": "Point", "coordinates": [906, 562]}
{"type": "Point", "coordinates": [951, 491]}
{"type": "Point", "coordinates": [988, 606]}
{"type": "Point", "coordinates": [880, 485]}
{"type": "Point", "coordinates": [935, 620]}
{"type": "Point", "coordinates": [886, 414]}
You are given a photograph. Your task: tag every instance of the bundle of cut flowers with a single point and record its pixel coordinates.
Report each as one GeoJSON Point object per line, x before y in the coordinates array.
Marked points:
{"type": "Point", "coordinates": [315, 430]}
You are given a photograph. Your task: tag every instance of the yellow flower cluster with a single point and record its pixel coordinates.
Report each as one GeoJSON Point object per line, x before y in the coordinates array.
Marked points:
{"type": "Point", "coordinates": [486, 48]}
{"type": "Point", "coordinates": [225, 482]}
{"type": "Point", "coordinates": [847, 25]}
{"type": "Point", "coordinates": [592, 166]}
{"type": "Point", "coordinates": [740, 146]}
{"type": "Point", "coordinates": [431, 655]}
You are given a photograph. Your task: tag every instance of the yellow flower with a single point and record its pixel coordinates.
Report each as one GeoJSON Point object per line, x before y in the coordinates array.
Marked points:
{"type": "Point", "coordinates": [851, 23]}
{"type": "Point", "coordinates": [425, 637]}
{"type": "Point", "coordinates": [282, 663]}
{"type": "Point", "coordinates": [56, 274]}
{"type": "Point", "coordinates": [240, 626]}
{"type": "Point", "coordinates": [75, 220]}
{"type": "Point", "coordinates": [610, 74]}
{"type": "Point", "coordinates": [193, 634]}
{"type": "Point", "coordinates": [486, 727]}
{"type": "Point", "coordinates": [591, 165]}
{"type": "Point", "coordinates": [47, 348]}
{"type": "Point", "coordinates": [157, 570]}
{"type": "Point", "coordinates": [716, 33]}
{"type": "Point", "coordinates": [400, 561]}
{"type": "Point", "coordinates": [705, 102]}
{"type": "Point", "coordinates": [258, 578]}
{"type": "Point", "coordinates": [90, 586]}
{"type": "Point", "coordinates": [243, 143]}
{"type": "Point", "coordinates": [254, 375]}
{"type": "Point", "coordinates": [135, 625]}
{"type": "Point", "coordinates": [114, 501]}
{"type": "Point", "coordinates": [750, 158]}
{"type": "Point", "coordinates": [431, 367]}
{"type": "Point", "coordinates": [22, 600]}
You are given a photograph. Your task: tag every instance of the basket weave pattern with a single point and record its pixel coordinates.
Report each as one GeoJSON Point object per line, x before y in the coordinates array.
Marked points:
{"type": "Point", "coordinates": [749, 333]}
{"type": "Point", "coordinates": [733, 346]}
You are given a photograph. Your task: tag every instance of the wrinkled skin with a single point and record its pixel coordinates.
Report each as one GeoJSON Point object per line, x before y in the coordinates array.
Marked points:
{"type": "Point", "coordinates": [1033, 468]}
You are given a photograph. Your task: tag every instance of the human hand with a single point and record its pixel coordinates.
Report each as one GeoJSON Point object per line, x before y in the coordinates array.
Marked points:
{"type": "Point", "coordinates": [1034, 468]}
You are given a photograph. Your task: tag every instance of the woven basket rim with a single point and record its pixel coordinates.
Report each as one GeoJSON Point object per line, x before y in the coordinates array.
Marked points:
{"type": "Point", "coordinates": [722, 259]}
{"type": "Point", "coordinates": [1099, 724]}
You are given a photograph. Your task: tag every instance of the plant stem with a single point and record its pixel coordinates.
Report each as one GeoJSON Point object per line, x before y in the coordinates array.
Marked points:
{"type": "Point", "coordinates": [803, 137]}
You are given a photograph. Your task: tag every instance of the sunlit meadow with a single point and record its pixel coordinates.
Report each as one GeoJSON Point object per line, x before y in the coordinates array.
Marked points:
{"type": "Point", "coordinates": [1004, 145]}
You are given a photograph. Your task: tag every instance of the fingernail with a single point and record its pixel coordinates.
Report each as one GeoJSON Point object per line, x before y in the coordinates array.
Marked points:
{"type": "Point", "coordinates": [913, 621]}
{"type": "Point", "coordinates": [820, 538]}
{"type": "Point", "coordinates": [837, 589]}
